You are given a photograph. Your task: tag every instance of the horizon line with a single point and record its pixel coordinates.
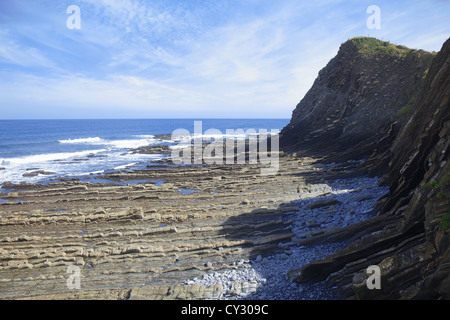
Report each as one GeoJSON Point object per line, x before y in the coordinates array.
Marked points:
{"type": "Point", "coordinates": [196, 118]}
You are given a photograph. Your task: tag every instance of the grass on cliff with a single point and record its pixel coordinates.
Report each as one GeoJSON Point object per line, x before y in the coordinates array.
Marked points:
{"type": "Point", "coordinates": [443, 188]}
{"type": "Point", "coordinates": [370, 45]}
{"type": "Point", "coordinates": [407, 108]}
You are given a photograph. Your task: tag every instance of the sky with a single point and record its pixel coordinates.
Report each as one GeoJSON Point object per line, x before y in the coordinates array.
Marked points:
{"type": "Point", "coordinates": [187, 58]}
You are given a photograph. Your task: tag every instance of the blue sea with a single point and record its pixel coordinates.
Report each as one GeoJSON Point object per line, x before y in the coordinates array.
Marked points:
{"type": "Point", "coordinates": [85, 148]}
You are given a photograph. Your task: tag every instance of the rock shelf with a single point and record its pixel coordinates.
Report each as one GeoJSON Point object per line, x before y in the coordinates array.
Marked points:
{"type": "Point", "coordinates": [235, 236]}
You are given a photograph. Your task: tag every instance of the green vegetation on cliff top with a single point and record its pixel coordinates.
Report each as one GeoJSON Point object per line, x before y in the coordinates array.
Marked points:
{"type": "Point", "coordinates": [374, 47]}
{"type": "Point", "coordinates": [370, 45]}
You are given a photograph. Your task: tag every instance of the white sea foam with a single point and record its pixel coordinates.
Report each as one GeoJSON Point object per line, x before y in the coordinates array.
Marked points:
{"type": "Point", "coordinates": [96, 140]}
{"type": "Point", "coordinates": [130, 144]}
{"type": "Point", "coordinates": [90, 173]}
{"type": "Point", "coordinates": [144, 140]}
{"type": "Point", "coordinates": [184, 141]}
{"type": "Point", "coordinates": [125, 166]}
{"type": "Point", "coordinates": [40, 158]}
{"type": "Point", "coordinates": [63, 165]}
{"type": "Point", "coordinates": [16, 167]}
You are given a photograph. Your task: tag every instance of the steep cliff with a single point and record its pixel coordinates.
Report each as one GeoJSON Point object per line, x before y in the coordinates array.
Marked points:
{"type": "Point", "coordinates": [363, 94]}
{"type": "Point", "coordinates": [412, 247]}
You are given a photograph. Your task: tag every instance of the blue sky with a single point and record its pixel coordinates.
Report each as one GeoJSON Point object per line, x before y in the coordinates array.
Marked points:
{"type": "Point", "coordinates": [186, 58]}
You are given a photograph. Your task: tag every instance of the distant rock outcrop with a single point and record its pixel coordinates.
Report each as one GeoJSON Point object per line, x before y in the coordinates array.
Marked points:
{"type": "Point", "coordinates": [412, 246]}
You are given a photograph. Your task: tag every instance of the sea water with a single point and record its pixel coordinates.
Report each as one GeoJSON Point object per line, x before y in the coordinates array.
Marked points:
{"type": "Point", "coordinates": [85, 148]}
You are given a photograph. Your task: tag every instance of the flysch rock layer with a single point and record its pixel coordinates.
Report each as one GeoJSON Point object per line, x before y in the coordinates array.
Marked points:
{"type": "Point", "coordinates": [358, 102]}
{"type": "Point", "coordinates": [202, 232]}
{"type": "Point", "coordinates": [413, 253]}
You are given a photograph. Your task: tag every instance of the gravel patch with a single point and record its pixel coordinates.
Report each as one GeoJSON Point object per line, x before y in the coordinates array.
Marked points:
{"type": "Point", "coordinates": [343, 202]}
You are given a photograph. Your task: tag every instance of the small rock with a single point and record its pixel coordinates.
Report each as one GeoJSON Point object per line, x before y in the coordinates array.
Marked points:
{"type": "Point", "coordinates": [132, 249]}
{"type": "Point", "coordinates": [13, 194]}
{"type": "Point", "coordinates": [317, 232]}
{"type": "Point", "coordinates": [293, 274]}
{"type": "Point", "coordinates": [24, 238]}
{"type": "Point", "coordinates": [311, 223]}
{"type": "Point", "coordinates": [323, 203]}
{"type": "Point", "coordinates": [137, 214]}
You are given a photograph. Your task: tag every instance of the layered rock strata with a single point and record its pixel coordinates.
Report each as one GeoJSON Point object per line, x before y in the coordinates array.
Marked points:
{"type": "Point", "coordinates": [412, 252]}
{"type": "Point", "coordinates": [358, 102]}
{"type": "Point", "coordinates": [152, 239]}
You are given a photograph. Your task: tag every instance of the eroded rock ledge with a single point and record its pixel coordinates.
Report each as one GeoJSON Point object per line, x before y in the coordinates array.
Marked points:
{"type": "Point", "coordinates": [153, 239]}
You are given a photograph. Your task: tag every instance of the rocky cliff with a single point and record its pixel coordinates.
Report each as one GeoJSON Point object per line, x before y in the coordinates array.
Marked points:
{"type": "Point", "coordinates": [411, 245]}
{"type": "Point", "coordinates": [363, 94]}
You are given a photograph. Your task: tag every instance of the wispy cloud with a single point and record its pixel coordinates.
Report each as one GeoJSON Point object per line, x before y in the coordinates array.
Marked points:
{"type": "Point", "coordinates": [13, 53]}
{"type": "Point", "coordinates": [195, 58]}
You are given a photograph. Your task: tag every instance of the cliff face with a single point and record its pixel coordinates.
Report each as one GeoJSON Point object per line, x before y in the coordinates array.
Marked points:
{"type": "Point", "coordinates": [412, 246]}
{"type": "Point", "coordinates": [419, 178]}
{"type": "Point", "coordinates": [360, 96]}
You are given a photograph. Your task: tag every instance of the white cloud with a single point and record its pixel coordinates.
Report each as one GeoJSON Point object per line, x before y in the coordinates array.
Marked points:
{"type": "Point", "coordinates": [156, 59]}
{"type": "Point", "coordinates": [13, 53]}
{"type": "Point", "coordinates": [249, 68]}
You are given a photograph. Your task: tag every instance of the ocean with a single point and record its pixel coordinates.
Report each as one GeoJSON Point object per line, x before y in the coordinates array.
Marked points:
{"type": "Point", "coordinates": [86, 148]}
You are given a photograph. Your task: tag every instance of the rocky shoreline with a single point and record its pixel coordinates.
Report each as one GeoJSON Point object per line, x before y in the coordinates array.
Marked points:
{"type": "Point", "coordinates": [310, 231]}
{"type": "Point", "coordinates": [181, 232]}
